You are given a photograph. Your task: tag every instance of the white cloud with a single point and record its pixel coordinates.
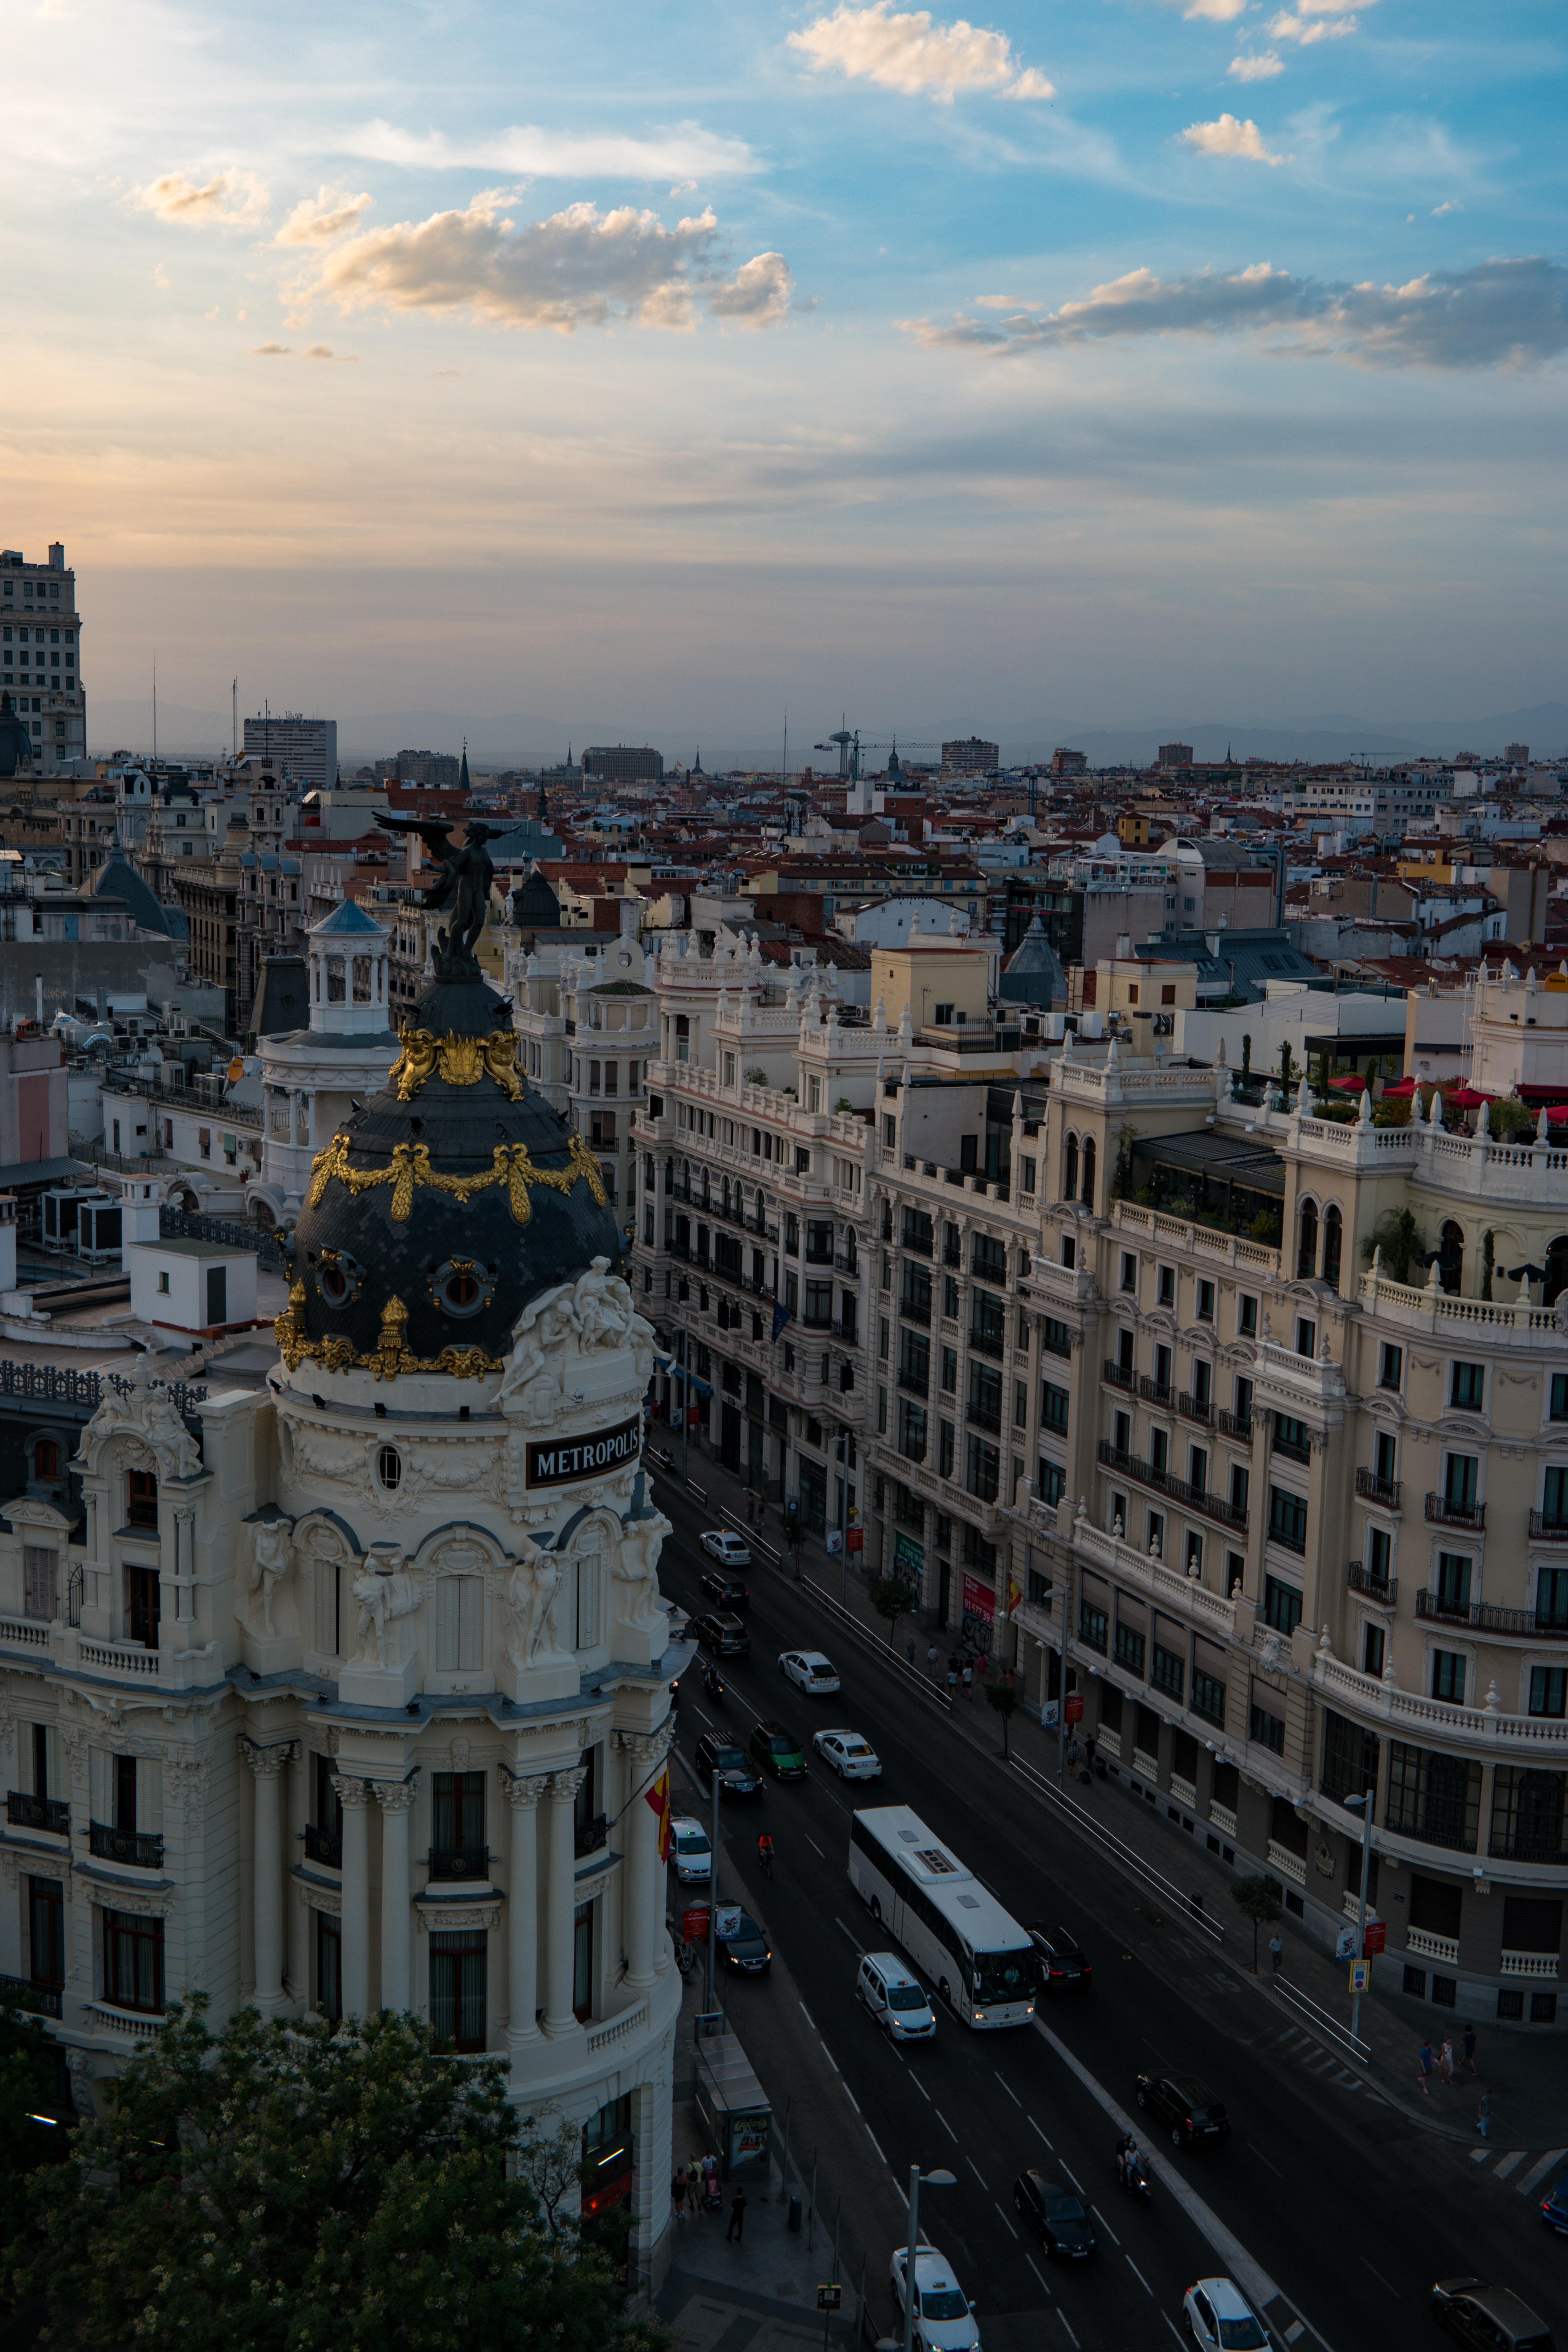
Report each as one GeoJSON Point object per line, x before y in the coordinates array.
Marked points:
{"type": "Point", "coordinates": [1214, 12]}
{"type": "Point", "coordinates": [759, 293]}
{"type": "Point", "coordinates": [1511, 313]}
{"type": "Point", "coordinates": [229, 199]}
{"type": "Point", "coordinates": [913, 54]}
{"type": "Point", "coordinates": [271, 351]}
{"type": "Point", "coordinates": [160, 279]}
{"type": "Point", "coordinates": [316, 220]}
{"type": "Point", "coordinates": [1310, 21]}
{"type": "Point", "coordinates": [1452, 204]}
{"type": "Point", "coordinates": [1005, 303]}
{"type": "Point", "coordinates": [1262, 68]}
{"type": "Point", "coordinates": [1238, 141]}
{"type": "Point", "coordinates": [579, 267]}
{"type": "Point", "coordinates": [685, 151]}
{"type": "Point", "coordinates": [325, 352]}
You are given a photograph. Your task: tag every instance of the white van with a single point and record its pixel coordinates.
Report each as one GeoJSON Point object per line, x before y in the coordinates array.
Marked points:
{"type": "Point", "coordinates": [689, 1850]}
{"type": "Point", "coordinates": [894, 1997]}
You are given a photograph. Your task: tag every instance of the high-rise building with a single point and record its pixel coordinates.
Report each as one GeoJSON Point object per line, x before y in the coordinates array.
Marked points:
{"type": "Point", "coordinates": [305, 751]}
{"type": "Point", "coordinates": [437, 770]}
{"type": "Point", "coordinates": [968, 751]}
{"type": "Point", "coordinates": [1175, 755]}
{"type": "Point", "coordinates": [1068, 763]}
{"type": "Point", "coordinates": [622, 763]}
{"type": "Point", "coordinates": [1517, 754]}
{"type": "Point", "coordinates": [40, 637]}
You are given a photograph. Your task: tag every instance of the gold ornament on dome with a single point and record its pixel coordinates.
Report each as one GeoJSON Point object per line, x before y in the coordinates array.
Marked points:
{"type": "Point", "coordinates": [411, 1169]}
{"type": "Point", "coordinates": [461, 1061]}
{"type": "Point", "coordinates": [386, 1359]}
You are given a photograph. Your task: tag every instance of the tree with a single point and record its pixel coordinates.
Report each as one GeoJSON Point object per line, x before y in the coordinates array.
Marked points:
{"type": "Point", "coordinates": [1285, 1067]}
{"type": "Point", "coordinates": [1246, 1057]}
{"type": "Point", "coordinates": [1257, 1899]}
{"type": "Point", "coordinates": [890, 1596]}
{"type": "Point", "coordinates": [301, 2187]}
{"type": "Point", "coordinates": [27, 2090]}
{"type": "Point", "coordinates": [1005, 1696]}
{"type": "Point", "coordinates": [1401, 1240]}
{"type": "Point", "coordinates": [1488, 1262]}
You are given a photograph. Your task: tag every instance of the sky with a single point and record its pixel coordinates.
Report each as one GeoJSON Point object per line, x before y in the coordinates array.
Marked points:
{"type": "Point", "coordinates": [662, 372]}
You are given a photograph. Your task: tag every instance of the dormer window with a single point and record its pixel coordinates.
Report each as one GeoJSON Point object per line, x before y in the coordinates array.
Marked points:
{"type": "Point", "coordinates": [142, 1500]}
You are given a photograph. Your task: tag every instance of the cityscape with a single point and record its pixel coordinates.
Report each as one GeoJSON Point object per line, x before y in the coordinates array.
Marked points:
{"type": "Point", "coordinates": [783, 1183]}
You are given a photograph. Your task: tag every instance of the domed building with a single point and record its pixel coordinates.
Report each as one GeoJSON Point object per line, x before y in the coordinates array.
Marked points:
{"type": "Point", "coordinates": [362, 1697]}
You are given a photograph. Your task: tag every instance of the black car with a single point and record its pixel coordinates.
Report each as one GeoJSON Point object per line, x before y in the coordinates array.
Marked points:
{"type": "Point", "coordinates": [746, 1951]}
{"type": "Point", "coordinates": [1489, 2318]}
{"type": "Point", "coordinates": [1055, 2215]}
{"type": "Point", "coordinates": [718, 1757]}
{"type": "Point", "coordinates": [1063, 1965]}
{"type": "Point", "coordinates": [723, 1634]}
{"type": "Point", "coordinates": [1195, 2116]}
{"type": "Point", "coordinates": [659, 1457]}
{"type": "Point", "coordinates": [727, 1590]}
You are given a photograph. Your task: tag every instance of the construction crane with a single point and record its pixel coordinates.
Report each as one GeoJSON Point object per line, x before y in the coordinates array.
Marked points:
{"type": "Point", "coordinates": [849, 747]}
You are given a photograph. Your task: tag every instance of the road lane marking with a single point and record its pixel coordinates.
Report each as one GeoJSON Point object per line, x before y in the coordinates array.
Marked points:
{"type": "Point", "coordinates": [1553, 2156]}
{"type": "Point", "coordinates": [1243, 2267]}
{"type": "Point", "coordinates": [1066, 2323]}
{"type": "Point", "coordinates": [1077, 2184]}
{"type": "Point", "coordinates": [916, 2080]}
{"type": "Point", "coordinates": [1174, 2330]}
{"type": "Point", "coordinates": [1140, 2277]}
{"type": "Point", "coordinates": [1008, 2086]}
{"type": "Point", "coordinates": [703, 1718]}
{"type": "Point", "coordinates": [850, 2096]}
{"type": "Point", "coordinates": [1258, 2152]}
{"type": "Point", "coordinates": [876, 2145]}
{"type": "Point", "coordinates": [1006, 2223]}
{"type": "Point", "coordinates": [1377, 2275]}
{"type": "Point", "coordinates": [809, 2019]}
{"type": "Point", "coordinates": [1034, 2126]}
{"type": "Point", "coordinates": [1507, 2164]}
{"type": "Point", "coordinates": [942, 2121]}
{"type": "Point", "coordinates": [978, 2174]}
{"type": "Point", "coordinates": [1105, 2225]}
{"type": "Point", "coordinates": [1039, 2274]}
{"type": "Point", "coordinates": [827, 2055]}
{"type": "Point", "coordinates": [845, 1931]}
{"type": "Point", "coordinates": [812, 1845]}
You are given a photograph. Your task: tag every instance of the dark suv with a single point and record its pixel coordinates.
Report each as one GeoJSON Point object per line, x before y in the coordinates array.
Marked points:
{"type": "Point", "coordinates": [723, 1634]}
{"type": "Point", "coordinates": [726, 1589]}
{"type": "Point", "coordinates": [718, 1757]}
{"type": "Point", "coordinates": [1062, 1964]}
{"type": "Point", "coordinates": [1490, 2318]}
{"type": "Point", "coordinates": [1195, 2116]}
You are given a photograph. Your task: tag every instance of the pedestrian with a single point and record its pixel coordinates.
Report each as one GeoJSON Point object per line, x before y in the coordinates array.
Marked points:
{"type": "Point", "coordinates": [930, 1661]}
{"type": "Point", "coordinates": [1445, 2060]}
{"type": "Point", "coordinates": [1072, 1751]}
{"type": "Point", "coordinates": [1469, 2049]}
{"type": "Point", "coordinates": [1276, 1952]}
{"type": "Point", "coordinates": [1484, 2115]}
{"type": "Point", "coordinates": [969, 1681]}
{"type": "Point", "coordinates": [909, 1652]}
{"type": "Point", "coordinates": [747, 1507]}
{"type": "Point", "coordinates": [737, 2228]}
{"type": "Point", "coordinates": [980, 1664]}
{"type": "Point", "coordinates": [952, 1680]}
{"type": "Point", "coordinates": [1423, 2069]}
{"type": "Point", "coordinates": [1089, 1752]}
{"type": "Point", "coordinates": [678, 2195]}
{"type": "Point", "coordinates": [694, 2187]}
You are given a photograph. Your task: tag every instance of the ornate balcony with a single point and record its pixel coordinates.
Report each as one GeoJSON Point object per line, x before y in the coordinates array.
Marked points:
{"type": "Point", "coordinates": [1122, 1376]}
{"type": "Point", "coordinates": [588, 1837]}
{"type": "Point", "coordinates": [1193, 1498]}
{"type": "Point", "coordinates": [457, 1862]}
{"type": "Point", "coordinates": [140, 1848]}
{"type": "Point", "coordinates": [1545, 1530]}
{"type": "Point", "coordinates": [1154, 1391]}
{"type": "Point", "coordinates": [1442, 1512]}
{"type": "Point", "coordinates": [1197, 1409]}
{"type": "Point", "coordinates": [1385, 1491]}
{"type": "Point", "coordinates": [24, 1812]}
{"type": "Point", "coordinates": [1486, 1619]}
{"type": "Point", "coordinates": [1385, 1588]}
{"type": "Point", "coordinates": [1235, 1424]}
{"type": "Point", "coordinates": [322, 1845]}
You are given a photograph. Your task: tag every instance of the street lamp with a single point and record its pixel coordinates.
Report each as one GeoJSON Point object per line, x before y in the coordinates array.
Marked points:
{"type": "Point", "coordinates": [933, 2180]}
{"type": "Point", "coordinates": [1364, 1806]}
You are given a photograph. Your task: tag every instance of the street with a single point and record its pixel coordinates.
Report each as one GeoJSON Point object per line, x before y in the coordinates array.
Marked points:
{"type": "Point", "coordinates": [1327, 2206]}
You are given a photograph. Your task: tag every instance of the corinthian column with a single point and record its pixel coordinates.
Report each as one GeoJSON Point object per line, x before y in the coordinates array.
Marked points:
{"type": "Point", "coordinates": [268, 1764]}
{"type": "Point", "coordinates": [644, 1755]}
{"type": "Point", "coordinates": [522, 1909]}
{"type": "Point", "coordinates": [561, 1899]}
{"type": "Point", "coordinates": [396, 1799]}
{"type": "Point", "coordinates": [354, 1796]}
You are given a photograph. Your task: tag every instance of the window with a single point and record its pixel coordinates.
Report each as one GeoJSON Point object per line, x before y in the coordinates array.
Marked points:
{"type": "Point", "coordinates": [1020, 1404]}
{"type": "Point", "coordinates": [983, 1467]}
{"type": "Point", "coordinates": [133, 1962]}
{"type": "Point", "coordinates": [582, 1960]}
{"type": "Point", "coordinates": [142, 1500]}
{"type": "Point", "coordinates": [1306, 1338]}
{"type": "Point", "coordinates": [1373, 1649]}
{"type": "Point", "coordinates": [1167, 1286]}
{"type": "Point", "coordinates": [1130, 1282]}
{"type": "Point", "coordinates": [1208, 1697]}
{"type": "Point", "coordinates": [1292, 1438]}
{"type": "Point", "coordinates": [1069, 1178]}
{"type": "Point", "coordinates": [1433, 1796]}
{"type": "Point", "coordinates": [949, 1297]}
{"type": "Point", "coordinates": [988, 1258]}
{"type": "Point", "coordinates": [1468, 1387]}
{"type": "Point", "coordinates": [1378, 1551]}
{"type": "Point", "coordinates": [950, 1371]}
{"type": "Point", "coordinates": [47, 1931]}
{"type": "Point", "coordinates": [1240, 1483]}
{"type": "Point", "coordinates": [1267, 1728]}
{"type": "Point", "coordinates": [1559, 1408]}
{"type": "Point", "coordinates": [1168, 1672]}
{"type": "Point", "coordinates": [459, 1643]}
{"type": "Point", "coordinates": [1054, 1407]}
{"type": "Point", "coordinates": [144, 1602]}
{"type": "Point", "coordinates": [40, 1580]}
{"type": "Point", "coordinates": [457, 1988]}
{"type": "Point", "coordinates": [1051, 1484]}
{"type": "Point", "coordinates": [329, 1967]}
{"type": "Point", "coordinates": [1281, 1605]}
{"type": "Point", "coordinates": [1334, 1234]}
{"type": "Point", "coordinates": [945, 1442]}
{"type": "Point", "coordinates": [1307, 1249]}
{"type": "Point", "coordinates": [1056, 1336]}
{"type": "Point", "coordinates": [912, 1429]}
{"type": "Point", "coordinates": [1552, 1598]}
{"type": "Point", "coordinates": [1247, 1317]}
{"type": "Point", "coordinates": [1390, 1367]}
{"type": "Point", "coordinates": [1460, 1476]}
{"type": "Point", "coordinates": [458, 1822]}
{"type": "Point", "coordinates": [1448, 1676]}
{"type": "Point", "coordinates": [1205, 1302]}
{"type": "Point", "coordinates": [1093, 1626]}
{"type": "Point", "coordinates": [1087, 1195]}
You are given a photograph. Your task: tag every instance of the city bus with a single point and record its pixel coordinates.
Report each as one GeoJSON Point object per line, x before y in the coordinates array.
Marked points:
{"type": "Point", "coordinates": [979, 1958]}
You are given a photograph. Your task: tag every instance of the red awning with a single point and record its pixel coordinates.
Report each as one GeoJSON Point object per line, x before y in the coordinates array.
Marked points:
{"type": "Point", "coordinates": [1403, 1087]}
{"type": "Point", "coordinates": [1352, 1083]}
{"type": "Point", "coordinates": [1464, 1098]}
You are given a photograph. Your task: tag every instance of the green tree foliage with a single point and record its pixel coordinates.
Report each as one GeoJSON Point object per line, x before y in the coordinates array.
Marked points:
{"type": "Point", "coordinates": [1488, 1262]}
{"type": "Point", "coordinates": [27, 2091]}
{"type": "Point", "coordinates": [1006, 1698]}
{"type": "Point", "coordinates": [1258, 1899]}
{"type": "Point", "coordinates": [890, 1597]}
{"type": "Point", "coordinates": [1246, 1057]}
{"type": "Point", "coordinates": [1401, 1240]}
{"type": "Point", "coordinates": [301, 2186]}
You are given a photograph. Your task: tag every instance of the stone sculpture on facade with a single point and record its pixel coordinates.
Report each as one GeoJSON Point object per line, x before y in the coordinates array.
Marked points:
{"type": "Point", "coordinates": [636, 1566]}
{"type": "Point", "coordinates": [532, 1592]}
{"type": "Point", "coordinates": [271, 1558]}
{"type": "Point", "coordinates": [145, 1409]}
{"type": "Point", "coordinates": [594, 1312]}
{"type": "Point", "coordinates": [385, 1591]}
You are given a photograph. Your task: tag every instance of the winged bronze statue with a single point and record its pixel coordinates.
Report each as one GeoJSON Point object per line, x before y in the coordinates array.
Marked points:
{"type": "Point", "coordinates": [464, 885]}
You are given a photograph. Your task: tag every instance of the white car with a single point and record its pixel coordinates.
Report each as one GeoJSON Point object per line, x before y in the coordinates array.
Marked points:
{"type": "Point", "coordinates": [944, 2319]}
{"type": "Point", "coordinates": [721, 1544]}
{"type": "Point", "coordinates": [894, 1997]}
{"type": "Point", "coordinates": [689, 1850]}
{"type": "Point", "coordinates": [809, 1671]}
{"type": "Point", "coordinates": [852, 1758]}
{"type": "Point", "coordinates": [1220, 2319]}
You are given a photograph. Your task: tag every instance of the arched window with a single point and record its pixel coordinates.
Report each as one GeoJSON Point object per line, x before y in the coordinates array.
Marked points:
{"type": "Point", "coordinates": [45, 1458]}
{"type": "Point", "coordinates": [1307, 1251]}
{"type": "Point", "coordinates": [1088, 1194]}
{"type": "Point", "coordinates": [1069, 1186]}
{"type": "Point", "coordinates": [459, 1632]}
{"type": "Point", "coordinates": [1451, 1258]}
{"type": "Point", "coordinates": [1556, 1269]}
{"type": "Point", "coordinates": [1334, 1234]}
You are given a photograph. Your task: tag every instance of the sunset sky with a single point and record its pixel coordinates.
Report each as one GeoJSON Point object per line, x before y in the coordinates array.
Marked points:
{"type": "Point", "coordinates": [657, 368]}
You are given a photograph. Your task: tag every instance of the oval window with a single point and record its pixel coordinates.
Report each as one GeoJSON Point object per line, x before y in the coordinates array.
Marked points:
{"type": "Point", "coordinates": [462, 1291]}
{"type": "Point", "coordinates": [334, 1284]}
{"type": "Point", "coordinates": [389, 1468]}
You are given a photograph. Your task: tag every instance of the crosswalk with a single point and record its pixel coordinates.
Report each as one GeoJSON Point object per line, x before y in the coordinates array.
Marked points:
{"type": "Point", "coordinates": [1305, 2050]}
{"type": "Point", "coordinates": [1505, 2166]}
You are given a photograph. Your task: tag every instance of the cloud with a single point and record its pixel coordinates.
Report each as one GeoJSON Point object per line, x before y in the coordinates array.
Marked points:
{"type": "Point", "coordinates": [759, 293]}
{"type": "Point", "coordinates": [325, 352]}
{"type": "Point", "coordinates": [1511, 312]}
{"type": "Point", "coordinates": [915, 55]}
{"type": "Point", "coordinates": [1215, 11]}
{"type": "Point", "coordinates": [579, 267]}
{"type": "Point", "coordinates": [271, 351]}
{"type": "Point", "coordinates": [1318, 20]}
{"type": "Point", "coordinates": [316, 220]}
{"type": "Point", "coordinates": [160, 279]}
{"type": "Point", "coordinates": [1262, 68]}
{"type": "Point", "coordinates": [1450, 205]}
{"type": "Point", "coordinates": [684, 152]}
{"type": "Point", "coordinates": [1239, 141]}
{"type": "Point", "coordinates": [1003, 303]}
{"type": "Point", "coordinates": [231, 199]}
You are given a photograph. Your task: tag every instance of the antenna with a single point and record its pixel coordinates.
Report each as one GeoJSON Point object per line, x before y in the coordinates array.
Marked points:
{"type": "Point", "coordinates": [233, 717]}
{"type": "Point", "coordinates": [154, 711]}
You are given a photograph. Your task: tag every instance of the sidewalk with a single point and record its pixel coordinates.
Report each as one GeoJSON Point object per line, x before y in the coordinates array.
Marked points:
{"type": "Point", "coordinates": [1527, 2077]}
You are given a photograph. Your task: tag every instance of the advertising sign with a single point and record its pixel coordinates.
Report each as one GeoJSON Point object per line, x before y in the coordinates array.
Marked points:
{"type": "Point", "coordinates": [1073, 1706]}
{"type": "Point", "coordinates": [909, 1556]}
{"type": "Point", "coordinates": [1376, 1937]}
{"type": "Point", "coordinates": [855, 1539]}
{"type": "Point", "coordinates": [727, 1919]}
{"type": "Point", "coordinates": [564, 1461]}
{"type": "Point", "coordinates": [979, 1599]}
{"type": "Point", "coordinates": [694, 1924]}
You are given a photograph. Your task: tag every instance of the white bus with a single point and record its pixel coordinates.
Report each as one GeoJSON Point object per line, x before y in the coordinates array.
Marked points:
{"type": "Point", "coordinates": [979, 1958]}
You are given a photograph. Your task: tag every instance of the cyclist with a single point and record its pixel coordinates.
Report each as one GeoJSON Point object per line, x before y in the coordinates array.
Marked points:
{"type": "Point", "coordinates": [765, 1852]}
{"type": "Point", "coordinates": [1126, 2150]}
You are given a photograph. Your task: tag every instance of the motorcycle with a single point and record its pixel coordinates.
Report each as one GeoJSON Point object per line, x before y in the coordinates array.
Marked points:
{"type": "Point", "coordinates": [1132, 2176]}
{"type": "Point", "coordinates": [712, 1685]}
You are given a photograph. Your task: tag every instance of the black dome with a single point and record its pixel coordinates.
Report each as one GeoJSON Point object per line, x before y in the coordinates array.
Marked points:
{"type": "Point", "coordinates": [433, 1216]}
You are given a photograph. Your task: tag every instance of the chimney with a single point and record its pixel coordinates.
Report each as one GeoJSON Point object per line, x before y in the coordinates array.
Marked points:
{"type": "Point", "coordinates": [57, 555]}
{"type": "Point", "coordinates": [630, 910]}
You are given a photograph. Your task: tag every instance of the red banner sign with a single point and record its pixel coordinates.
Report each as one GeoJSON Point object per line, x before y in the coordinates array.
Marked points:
{"type": "Point", "coordinates": [855, 1539]}
{"type": "Point", "coordinates": [1073, 1708]}
{"type": "Point", "coordinates": [979, 1599]}
{"type": "Point", "coordinates": [1376, 1937]}
{"type": "Point", "coordinates": [694, 1924]}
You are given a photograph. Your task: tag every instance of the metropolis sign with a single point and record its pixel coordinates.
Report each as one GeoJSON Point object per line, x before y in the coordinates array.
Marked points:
{"type": "Point", "coordinates": [560, 1461]}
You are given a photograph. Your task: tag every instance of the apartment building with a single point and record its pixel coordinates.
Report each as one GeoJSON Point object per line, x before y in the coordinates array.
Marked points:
{"type": "Point", "coordinates": [585, 1015]}
{"type": "Point", "coordinates": [303, 750]}
{"type": "Point", "coordinates": [40, 640]}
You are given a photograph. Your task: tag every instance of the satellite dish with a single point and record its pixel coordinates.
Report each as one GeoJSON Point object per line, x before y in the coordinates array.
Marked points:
{"type": "Point", "coordinates": [236, 1070]}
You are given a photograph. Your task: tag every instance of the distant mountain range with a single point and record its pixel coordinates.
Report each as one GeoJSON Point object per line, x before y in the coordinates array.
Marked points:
{"type": "Point", "coordinates": [521, 738]}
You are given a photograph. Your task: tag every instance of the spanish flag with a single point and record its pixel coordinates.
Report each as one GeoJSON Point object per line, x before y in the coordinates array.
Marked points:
{"type": "Point", "coordinates": [1014, 1596]}
{"type": "Point", "coordinates": [658, 1797]}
